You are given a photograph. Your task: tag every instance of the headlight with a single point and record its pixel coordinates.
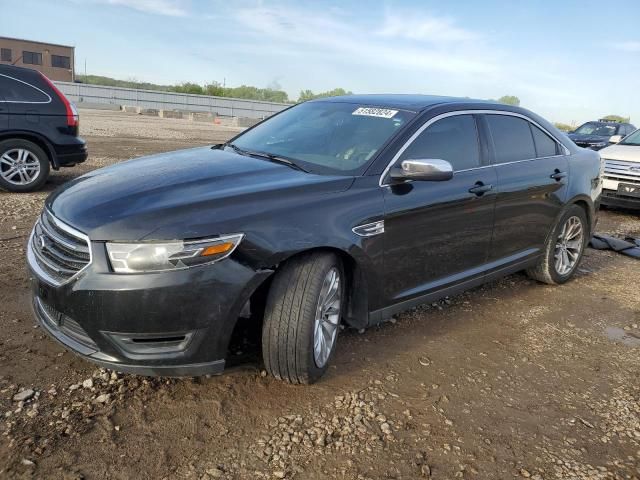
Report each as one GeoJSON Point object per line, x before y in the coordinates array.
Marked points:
{"type": "Point", "coordinates": [599, 145]}
{"type": "Point", "coordinates": [158, 257]}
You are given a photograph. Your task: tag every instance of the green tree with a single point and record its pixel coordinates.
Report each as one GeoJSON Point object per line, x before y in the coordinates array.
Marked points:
{"type": "Point", "coordinates": [214, 89]}
{"type": "Point", "coordinates": [564, 127]}
{"type": "Point", "coordinates": [188, 87]}
{"type": "Point", "coordinates": [509, 100]}
{"type": "Point", "coordinates": [309, 95]}
{"type": "Point", "coordinates": [616, 118]}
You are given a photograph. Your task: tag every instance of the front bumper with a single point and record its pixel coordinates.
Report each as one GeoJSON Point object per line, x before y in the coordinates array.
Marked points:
{"type": "Point", "coordinates": [611, 198]}
{"type": "Point", "coordinates": [174, 323]}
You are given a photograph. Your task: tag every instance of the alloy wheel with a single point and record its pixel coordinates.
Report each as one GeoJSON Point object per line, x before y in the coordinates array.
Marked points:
{"type": "Point", "coordinates": [569, 245]}
{"type": "Point", "coordinates": [327, 317]}
{"type": "Point", "coordinates": [19, 166]}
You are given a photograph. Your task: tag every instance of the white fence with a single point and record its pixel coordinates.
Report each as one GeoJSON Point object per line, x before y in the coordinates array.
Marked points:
{"type": "Point", "coordinates": [80, 93]}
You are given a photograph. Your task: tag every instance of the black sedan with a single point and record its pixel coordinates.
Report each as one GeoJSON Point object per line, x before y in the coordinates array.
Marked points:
{"type": "Point", "coordinates": [348, 209]}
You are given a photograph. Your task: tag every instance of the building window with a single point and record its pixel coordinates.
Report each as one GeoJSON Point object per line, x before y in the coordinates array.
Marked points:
{"type": "Point", "coordinates": [31, 58]}
{"type": "Point", "coordinates": [5, 54]}
{"type": "Point", "coordinates": [60, 62]}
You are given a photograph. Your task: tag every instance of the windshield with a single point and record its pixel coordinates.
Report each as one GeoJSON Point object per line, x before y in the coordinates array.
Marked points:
{"type": "Point", "coordinates": [595, 128]}
{"type": "Point", "coordinates": [326, 137]}
{"type": "Point", "coordinates": [633, 139]}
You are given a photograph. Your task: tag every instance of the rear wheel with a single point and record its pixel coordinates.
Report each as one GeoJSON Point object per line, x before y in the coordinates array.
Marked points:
{"type": "Point", "coordinates": [302, 317]}
{"type": "Point", "coordinates": [564, 248]}
{"type": "Point", "coordinates": [24, 166]}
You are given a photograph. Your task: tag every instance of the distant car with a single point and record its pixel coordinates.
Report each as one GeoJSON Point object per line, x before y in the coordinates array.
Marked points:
{"type": "Point", "coordinates": [348, 209]}
{"type": "Point", "coordinates": [38, 129]}
{"type": "Point", "coordinates": [600, 134]}
{"type": "Point", "coordinates": [621, 180]}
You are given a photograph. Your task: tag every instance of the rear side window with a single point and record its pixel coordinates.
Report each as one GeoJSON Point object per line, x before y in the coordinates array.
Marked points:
{"type": "Point", "coordinates": [512, 138]}
{"type": "Point", "coordinates": [17, 91]}
{"type": "Point", "coordinates": [454, 139]}
{"type": "Point", "coordinates": [545, 145]}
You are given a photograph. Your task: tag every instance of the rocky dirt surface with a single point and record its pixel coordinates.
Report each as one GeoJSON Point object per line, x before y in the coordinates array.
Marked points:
{"type": "Point", "coordinates": [511, 380]}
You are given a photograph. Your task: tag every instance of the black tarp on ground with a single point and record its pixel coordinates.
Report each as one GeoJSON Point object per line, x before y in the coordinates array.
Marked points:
{"type": "Point", "coordinates": [629, 246]}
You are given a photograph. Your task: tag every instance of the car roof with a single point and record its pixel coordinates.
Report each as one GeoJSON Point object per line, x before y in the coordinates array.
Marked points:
{"type": "Point", "coordinates": [411, 102]}
{"type": "Point", "coordinates": [14, 70]}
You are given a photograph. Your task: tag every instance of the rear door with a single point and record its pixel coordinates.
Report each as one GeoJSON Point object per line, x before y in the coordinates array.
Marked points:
{"type": "Point", "coordinates": [532, 171]}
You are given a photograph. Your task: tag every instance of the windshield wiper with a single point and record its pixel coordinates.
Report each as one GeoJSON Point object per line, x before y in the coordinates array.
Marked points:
{"type": "Point", "coordinates": [268, 156]}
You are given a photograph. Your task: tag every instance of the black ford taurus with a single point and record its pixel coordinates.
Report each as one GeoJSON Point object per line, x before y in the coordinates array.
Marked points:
{"type": "Point", "coordinates": [348, 209]}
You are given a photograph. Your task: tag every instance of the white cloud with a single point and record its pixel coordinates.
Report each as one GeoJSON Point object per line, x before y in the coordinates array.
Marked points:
{"type": "Point", "coordinates": [173, 8]}
{"type": "Point", "coordinates": [425, 28]}
{"type": "Point", "coordinates": [631, 47]}
{"type": "Point", "coordinates": [321, 34]}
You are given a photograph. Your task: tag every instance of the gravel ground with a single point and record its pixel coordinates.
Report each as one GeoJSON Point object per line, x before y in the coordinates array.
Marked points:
{"type": "Point", "coordinates": [511, 380]}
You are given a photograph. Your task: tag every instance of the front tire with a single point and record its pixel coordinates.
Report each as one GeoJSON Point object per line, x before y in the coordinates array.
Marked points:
{"type": "Point", "coordinates": [24, 166]}
{"type": "Point", "coordinates": [302, 317]}
{"type": "Point", "coordinates": [564, 248]}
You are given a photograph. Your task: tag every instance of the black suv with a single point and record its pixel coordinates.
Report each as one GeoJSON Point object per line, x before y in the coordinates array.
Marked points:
{"type": "Point", "coordinates": [600, 134]}
{"type": "Point", "coordinates": [348, 209]}
{"type": "Point", "coordinates": [38, 129]}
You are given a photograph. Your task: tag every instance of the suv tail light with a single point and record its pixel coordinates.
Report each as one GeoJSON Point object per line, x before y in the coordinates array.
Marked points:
{"type": "Point", "coordinates": [73, 119]}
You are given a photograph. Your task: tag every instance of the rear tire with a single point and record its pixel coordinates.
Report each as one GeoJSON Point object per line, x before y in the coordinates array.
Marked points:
{"type": "Point", "coordinates": [24, 166]}
{"type": "Point", "coordinates": [564, 248]}
{"type": "Point", "coordinates": [302, 314]}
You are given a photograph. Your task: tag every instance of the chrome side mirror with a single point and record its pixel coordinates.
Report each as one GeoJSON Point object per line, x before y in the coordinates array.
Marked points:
{"type": "Point", "coordinates": [429, 170]}
{"type": "Point", "coordinates": [615, 138]}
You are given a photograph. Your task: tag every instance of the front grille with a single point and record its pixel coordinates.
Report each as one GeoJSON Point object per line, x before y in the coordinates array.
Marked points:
{"type": "Point", "coordinates": [56, 320]}
{"type": "Point", "coordinates": [622, 171]}
{"type": "Point", "coordinates": [60, 251]}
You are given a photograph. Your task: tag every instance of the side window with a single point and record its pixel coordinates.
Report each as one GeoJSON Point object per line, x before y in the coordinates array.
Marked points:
{"type": "Point", "coordinates": [454, 139]}
{"type": "Point", "coordinates": [512, 138]}
{"type": "Point", "coordinates": [545, 145]}
{"type": "Point", "coordinates": [16, 91]}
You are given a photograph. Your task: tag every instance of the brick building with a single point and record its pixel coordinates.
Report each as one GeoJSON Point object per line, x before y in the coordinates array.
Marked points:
{"type": "Point", "coordinates": [56, 61]}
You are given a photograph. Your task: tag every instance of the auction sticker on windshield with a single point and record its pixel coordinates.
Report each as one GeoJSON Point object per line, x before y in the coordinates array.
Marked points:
{"type": "Point", "coordinates": [375, 112]}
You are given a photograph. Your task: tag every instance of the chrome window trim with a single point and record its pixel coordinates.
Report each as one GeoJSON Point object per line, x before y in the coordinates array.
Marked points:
{"type": "Point", "coordinates": [34, 264]}
{"type": "Point", "coordinates": [433, 120]}
{"type": "Point", "coordinates": [29, 85]}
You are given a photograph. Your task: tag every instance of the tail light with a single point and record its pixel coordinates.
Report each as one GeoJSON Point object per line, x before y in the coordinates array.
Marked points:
{"type": "Point", "coordinates": [73, 119]}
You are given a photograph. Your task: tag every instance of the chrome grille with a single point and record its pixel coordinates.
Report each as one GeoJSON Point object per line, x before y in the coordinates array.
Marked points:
{"type": "Point", "coordinates": [620, 170]}
{"type": "Point", "coordinates": [60, 251]}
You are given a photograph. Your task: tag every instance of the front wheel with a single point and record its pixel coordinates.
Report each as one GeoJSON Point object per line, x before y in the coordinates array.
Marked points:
{"type": "Point", "coordinates": [302, 317]}
{"type": "Point", "coordinates": [563, 249]}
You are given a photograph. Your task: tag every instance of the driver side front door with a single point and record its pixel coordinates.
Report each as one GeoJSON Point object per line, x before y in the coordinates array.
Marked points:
{"type": "Point", "coordinates": [439, 233]}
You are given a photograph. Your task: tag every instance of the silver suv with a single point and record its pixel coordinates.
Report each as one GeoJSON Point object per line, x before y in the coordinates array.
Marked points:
{"type": "Point", "coordinates": [621, 185]}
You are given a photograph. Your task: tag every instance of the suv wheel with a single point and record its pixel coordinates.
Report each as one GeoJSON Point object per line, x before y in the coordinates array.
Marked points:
{"type": "Point", "coordinates": [563, 249]}
{"type": "Point", "coordinates": [302, 317]}
{"type": "Point", "coordinates": [24, 167]}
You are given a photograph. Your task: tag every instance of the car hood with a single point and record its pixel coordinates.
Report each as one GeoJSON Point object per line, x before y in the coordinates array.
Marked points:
{"type": "Point", "coordinates": [589, 138]}
{"type": "Point", "coordinates": [184, 194]}
{"type": "Point", "coordinates": [629, 153]}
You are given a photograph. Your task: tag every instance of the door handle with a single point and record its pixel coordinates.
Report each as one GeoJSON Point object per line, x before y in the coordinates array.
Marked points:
{"type": "Point", "coordinates": [480, 188]}
{"type": "Point", "coordinates": [557, 175]}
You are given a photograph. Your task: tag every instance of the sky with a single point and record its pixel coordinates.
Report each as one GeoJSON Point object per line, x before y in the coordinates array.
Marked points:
{"type": "Point", "coordinates": [570, 61]}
